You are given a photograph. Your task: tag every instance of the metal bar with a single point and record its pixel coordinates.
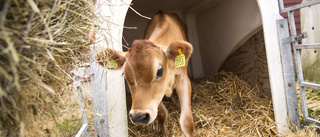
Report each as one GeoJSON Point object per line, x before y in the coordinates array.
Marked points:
{"type": "Point", "coordinates": [297, 55]}
{"type": "Point", "coordinates": [307, 46]}
{"type": "Point", "coordinates": [299, 37]}
{"type": "Point", "coordinates": [82, 130]}
{"type": "Point", "coordinates": [100, 103]}
{"type": "Point", "coordinates": [310, 85]}
{"type": "Point", "coordinates": [303, 99]}
{"type": "Point", "coordinates": [83, 111]}
{"type": "Point", "coordinates": [313, 121]}
{"type": "Point", "coordinates": [298, 6]}
{"type": "Point", "coordinates": [288, 72]}
{"type": "Point", "coordinates": [82, 106]}
{"type": "Point", "coordinates": [281, 5]}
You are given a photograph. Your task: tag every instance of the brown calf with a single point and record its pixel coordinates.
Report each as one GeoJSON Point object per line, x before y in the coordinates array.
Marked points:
{"type": "Point", "coordinates": [152, 72]}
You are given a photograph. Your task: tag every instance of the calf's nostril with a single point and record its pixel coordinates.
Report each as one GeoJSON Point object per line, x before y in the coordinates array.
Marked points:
{"type": "Point", "coordinates": [132, 118]}
{"type": "Point", "coordinates": [146, 118]}
{"type": "Point", "coordinates": [140, 118]}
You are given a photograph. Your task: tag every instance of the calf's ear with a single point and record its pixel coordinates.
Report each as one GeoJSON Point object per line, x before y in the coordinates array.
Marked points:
{"type": "Point", "coordinates": [186, 49]}
{"type": "Point", "coordinates": [111, 59]}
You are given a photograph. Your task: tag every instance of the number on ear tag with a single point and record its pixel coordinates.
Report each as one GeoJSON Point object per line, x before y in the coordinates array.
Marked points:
{"type": "Point", "coordinates": [180, 59]}
{"type": "Point", "coordinates": [112, 64]}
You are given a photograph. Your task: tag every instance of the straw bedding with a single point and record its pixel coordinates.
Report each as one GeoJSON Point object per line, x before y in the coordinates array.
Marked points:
{"type": "Point", "coordinates": [223, 105]}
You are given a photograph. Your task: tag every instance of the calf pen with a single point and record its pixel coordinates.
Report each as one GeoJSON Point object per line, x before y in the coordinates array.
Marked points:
{"type": "Point", "coordinates": [223, 105]}
{"type": "Point", "coordinates": [43, 38]}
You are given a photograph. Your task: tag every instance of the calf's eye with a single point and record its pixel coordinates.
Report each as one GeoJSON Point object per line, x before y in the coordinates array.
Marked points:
{"type": "Point", "coordinates": [159, 73]}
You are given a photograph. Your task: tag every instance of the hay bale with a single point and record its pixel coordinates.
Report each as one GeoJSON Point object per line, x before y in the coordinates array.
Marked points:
{"type": "Point", "coordinates": [40, 42]}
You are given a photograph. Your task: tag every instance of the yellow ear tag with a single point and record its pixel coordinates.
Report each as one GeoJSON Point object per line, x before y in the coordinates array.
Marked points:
{"type": "Point", "coordinates": [180, 60]}
{"type": "Point", "coordinates": [112, 63]}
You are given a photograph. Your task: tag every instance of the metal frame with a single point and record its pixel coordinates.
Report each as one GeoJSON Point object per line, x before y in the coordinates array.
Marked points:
{"type": "Point", "coordinates": [288, 71]}
{"type": "Point", "coordinates": [296, 7]}
{"type": "Point", "coordinates": [84, 130]}
{"type": "Point", "coordinates": [284, 43]}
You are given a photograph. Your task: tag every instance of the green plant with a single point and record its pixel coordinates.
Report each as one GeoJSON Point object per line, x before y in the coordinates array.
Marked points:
{"type": "Point", "coordinates": [310, 111]}
{"type": "Point", "coordinates": [68, 126]}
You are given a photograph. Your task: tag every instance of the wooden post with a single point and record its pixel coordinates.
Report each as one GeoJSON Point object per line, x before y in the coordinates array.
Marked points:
{"type": "Point", "coordinates": [109, 101]}
{"type": "Point", "coordinates": [269, 10]}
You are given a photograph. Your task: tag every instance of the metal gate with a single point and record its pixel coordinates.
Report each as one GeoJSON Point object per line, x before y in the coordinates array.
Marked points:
{"type": "Point", "coordinates": [288, 68]}
{"type": "Point", "coordinates": [80, 73]}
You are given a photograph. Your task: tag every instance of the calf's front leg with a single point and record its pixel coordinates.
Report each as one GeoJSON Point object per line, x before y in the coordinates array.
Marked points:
{"type": "Point", "coordinates": [162, 118]}
{"type": "Point", "coordinates": [186, 119]}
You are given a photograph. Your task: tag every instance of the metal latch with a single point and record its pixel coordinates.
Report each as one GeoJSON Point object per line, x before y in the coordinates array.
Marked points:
{"type": "Point", "coordinates": [297, 38]}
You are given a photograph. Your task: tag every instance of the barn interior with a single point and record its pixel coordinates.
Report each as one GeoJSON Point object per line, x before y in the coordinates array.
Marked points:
{"type": "Point", "coordinates": [226, 35]}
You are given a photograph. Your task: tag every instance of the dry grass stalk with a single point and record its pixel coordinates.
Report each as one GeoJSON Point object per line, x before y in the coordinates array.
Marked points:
{"type": "Point", "coordinates": [40, 42]}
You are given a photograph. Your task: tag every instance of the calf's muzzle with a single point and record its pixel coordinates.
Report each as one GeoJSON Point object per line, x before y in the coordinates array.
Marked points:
{"type": "Point", "coordinates": [140, 118]}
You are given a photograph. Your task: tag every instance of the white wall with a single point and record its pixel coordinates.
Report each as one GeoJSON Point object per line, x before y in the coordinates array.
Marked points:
{"type": "Point", "coordinates": [310, 23]}
{"type": "Point", "coordinates": [134, 20]}
{"type": "Point", "coordinates": [223, 28]}
{"type": "Point", "coordinates": [109, 100]}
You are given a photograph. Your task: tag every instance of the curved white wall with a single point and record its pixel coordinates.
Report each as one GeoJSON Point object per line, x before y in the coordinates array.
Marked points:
{"type": "Point", "coordinates": [109, 98]}
{"type": "Point", "coordinates": [221, 29]}
{"type": "Point", "coordinates": [225, 27]}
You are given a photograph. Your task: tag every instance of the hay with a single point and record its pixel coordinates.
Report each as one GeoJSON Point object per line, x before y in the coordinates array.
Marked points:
{"type": "Point", "coordinates": [313, 102]}
{"type": "Point", "coordinates": [40, 42]}
{"type": "Point", "coordinates": [222, 105]}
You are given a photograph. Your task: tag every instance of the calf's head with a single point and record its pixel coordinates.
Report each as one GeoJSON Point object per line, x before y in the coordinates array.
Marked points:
{"type": "Point", "coordinates": [148, 69]}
